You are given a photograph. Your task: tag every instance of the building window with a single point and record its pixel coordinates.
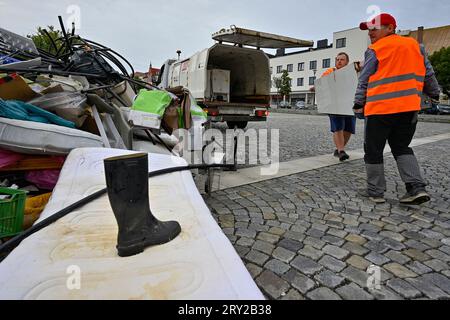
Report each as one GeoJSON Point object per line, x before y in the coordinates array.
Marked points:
{"type": "Point", "coordinates": [280, 69]}
{"type": "Point", "coordinates": [341, 43]}
{"type": "Point", "coordinates": [301, 66]}
{"type": "Point", "coordinates": [311, 80]}
{"type": "Point", "coordinates": [271, 70]}
{"type": "Point", "coordinates": [290, 83]}
{"type": "Point", "coordinates": [313, 65]}
{"type": "Point", "coordinates": [300, 82]}
{"type": "Point", "coordinates": [326, 63]}
{"type": "Point", "coordinates": [290, 67]}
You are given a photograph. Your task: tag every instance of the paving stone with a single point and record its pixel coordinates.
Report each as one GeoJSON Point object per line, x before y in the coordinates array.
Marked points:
{"type": "Point", "coordinates": [272, 284]}
{"type": "Point", "coordinates": [353, 238]}
{"type": "Point", "coordinates": [277, 231]}
{"type": "Point", "coordinates": [432, 234]}
{"type": "Point", "coordinates": [438, 280]}
{"type": "Point", "coordinates": [293, 295]}
{"type": "Point", "coordinates": [329, 279]}
{"type": "Point", "coordinates": [420, 246]}
{"type": "Point", "coordinates": [314, 242]}
{"type": "Point", "coordinates": [242, 251]}
{"type": "Point", "coordinates": [257, 258]}
{"type": "Point", "coordinates": [399, 271]}
{"type": "Point", "coordinates": [353, 292]}
{"type": "Point", "coordinates": [283, 255]}
{"type": "Point", "coordinates": [358, 262]}
{"type": "Point", "coordinates": [332, 264]}
{"type": "Point", "coordinates": [306, 265]}
{"type": "Point", "coordinates": [336, 252]}
{"type": "Point", "coordinates": [416, 255]}
{"type": "Point", "coordinates": [377, 259]}
{"type": "Point", "coordinates": [432, 243]}
{"type": "Point", "coordinates": [385, 294]}
{"type": "Point", "coordinates": [333, 240]}
{"type": "Point", "coordinates": [300, 282]}
{"type": "Point", "coordinates": [254, 270]}
{"type": "Point", "coordinates": [355, 248]}
{"type": "Point", "coordinates": [310, 252]}
{"type": "Point", "coordinates": [439, 255]}
{"type": "Point", "coordinates": [377, 247]}
{"type": "Point", "coordinates": [337, 233]}
{"type": "Point", "coordinates": [437, 265]}
{"type": "Point", "coordinates": [277, 266]}
{"type": "Point", "coordinates": [397, 257]}
{"type": "Point", "coordinates": [245, 242]}
{"type": "Point", "coordinates": [393, 244]}
{"type": "Point", "coordinates": [418, 268]}
{"type": "Point", "coordinates": [294, 236]}
{"type": "Point", "coordinates": [267, 237]}
{"type": "Point", "coordinates": [323, 294]}
{"type": "Point", "coordinates": [403, 288]}
{"type": "Point", "coordinates": [264, 247]}
{"type": "Point", "coordinates": [315, 233]}
{"type": "Point", "coordinates": [356, 275]}
{"type": "Point", "coordinates": [428, 288]}
{"type": "Point", "coordinates": [290, 245]}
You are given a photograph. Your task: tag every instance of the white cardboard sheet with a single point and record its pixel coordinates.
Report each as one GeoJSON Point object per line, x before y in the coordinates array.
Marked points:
{"type": "Point", "coordinates": [200, 264]}
{"type": "Point", "coordinates": [335, 93]}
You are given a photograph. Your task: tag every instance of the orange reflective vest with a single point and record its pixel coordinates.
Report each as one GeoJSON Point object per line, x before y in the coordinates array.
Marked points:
{"type": "Point", "coordinates": [329, 71]}
{"type": "Point", "coordinates": [397, 85]}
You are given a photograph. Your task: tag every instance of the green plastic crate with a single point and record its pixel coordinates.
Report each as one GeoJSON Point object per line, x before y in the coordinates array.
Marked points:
{"type": "Point", "coordinates": [11, 212]}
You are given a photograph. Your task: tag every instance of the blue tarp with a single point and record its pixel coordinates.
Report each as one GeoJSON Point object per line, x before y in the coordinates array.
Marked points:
{"type": "Point", "coordinates": [19, 110]}
{"type": "Point", "coordinates": [7, 60]}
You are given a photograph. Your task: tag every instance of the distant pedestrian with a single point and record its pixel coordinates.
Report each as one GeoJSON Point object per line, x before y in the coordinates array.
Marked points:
{"type": "Point", "coordinates": [395, 73]}
{"type": "Point", "coordinates": [342, 127]}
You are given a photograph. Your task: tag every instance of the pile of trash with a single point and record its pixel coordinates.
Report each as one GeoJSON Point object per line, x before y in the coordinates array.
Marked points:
{"type": "Point", "coordinates": [81, 97]}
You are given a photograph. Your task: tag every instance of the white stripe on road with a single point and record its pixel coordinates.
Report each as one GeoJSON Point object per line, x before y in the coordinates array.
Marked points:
{"type": "Point", "coordinates": [253, 175]}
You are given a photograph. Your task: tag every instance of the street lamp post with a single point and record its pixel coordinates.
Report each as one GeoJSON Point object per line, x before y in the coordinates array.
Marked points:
{"type": "Point", "coordinates": [314, 94]}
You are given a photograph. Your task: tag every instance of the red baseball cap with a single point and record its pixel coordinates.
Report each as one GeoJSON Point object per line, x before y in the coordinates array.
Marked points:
{"type": "Point", "coordinates": [383, 19]}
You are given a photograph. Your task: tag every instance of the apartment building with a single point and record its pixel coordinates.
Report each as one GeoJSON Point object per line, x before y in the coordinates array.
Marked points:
{"type": "Point", "coordinates": [307, 65]}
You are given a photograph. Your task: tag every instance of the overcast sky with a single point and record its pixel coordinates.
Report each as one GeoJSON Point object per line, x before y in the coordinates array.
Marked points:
{"type": "Point", "coordinates": [151, 30]}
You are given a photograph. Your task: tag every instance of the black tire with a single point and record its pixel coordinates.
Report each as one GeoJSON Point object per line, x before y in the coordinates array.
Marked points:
{"type": "Point", "coordinates": [238, 124]}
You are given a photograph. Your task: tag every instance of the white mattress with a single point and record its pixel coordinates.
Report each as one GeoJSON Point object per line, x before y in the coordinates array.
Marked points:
{"type": "Point", "coordinates": [199, 264]}
{"type": "Point", "coordinates": [42, 138]}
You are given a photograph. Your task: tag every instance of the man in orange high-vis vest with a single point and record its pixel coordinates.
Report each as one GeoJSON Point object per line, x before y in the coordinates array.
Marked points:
{"type": "Point", "coordinates": [342, 127]}
{"type": "Point", "coordinates": [396, 71]}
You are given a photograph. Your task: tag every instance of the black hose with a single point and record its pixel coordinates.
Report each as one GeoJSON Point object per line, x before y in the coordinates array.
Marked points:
{"type": "Point", "coordinates": [51, 40]}
{"type": "Point", "coordinates": [14, 242]}
{"type": "Point", "coordinates": [61, 23]}
{"type": "Point", "coordinates": [45, 71]}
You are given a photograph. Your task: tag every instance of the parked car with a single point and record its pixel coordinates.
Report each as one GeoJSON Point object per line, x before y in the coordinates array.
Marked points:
{"type": "Point", "coordinates": [284, 105]}
{"type": "Point", "coordinates": [300, 105]}
{"type": "Point", "coordinates": [437, 109]}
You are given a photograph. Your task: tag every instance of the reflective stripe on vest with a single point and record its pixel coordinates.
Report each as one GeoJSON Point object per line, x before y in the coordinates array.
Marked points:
{"type": "Point", "coordinates": [397, 85]}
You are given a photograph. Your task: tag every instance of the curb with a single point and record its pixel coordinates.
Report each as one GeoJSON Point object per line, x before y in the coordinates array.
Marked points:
{"type": "Point", "coordinates": [422, 117]}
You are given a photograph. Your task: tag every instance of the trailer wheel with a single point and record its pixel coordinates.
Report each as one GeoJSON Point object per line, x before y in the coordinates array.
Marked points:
{"type": "Point", "coordinates": [237, 124]}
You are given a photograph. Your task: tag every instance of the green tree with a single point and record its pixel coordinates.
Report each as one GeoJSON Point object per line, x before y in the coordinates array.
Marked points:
{"type": "Point", "coordinates": [441, 64]}
{"type": "Point", "coordinates": [277, 85]}
{"type": "Point", "coordinates": [286, 87]}
{"type": "Point", "coordinates": [42, 41]}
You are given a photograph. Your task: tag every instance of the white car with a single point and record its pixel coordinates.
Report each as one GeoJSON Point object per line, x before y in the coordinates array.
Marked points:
{"type": "Point", "coordinates": [300, 105]}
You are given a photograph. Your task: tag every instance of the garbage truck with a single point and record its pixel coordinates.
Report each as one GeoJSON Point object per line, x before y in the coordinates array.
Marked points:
{"type": "Point", "coordinates": [231, 80]}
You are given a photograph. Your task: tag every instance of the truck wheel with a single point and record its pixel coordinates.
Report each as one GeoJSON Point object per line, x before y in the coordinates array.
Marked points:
{"type": "Point", "coordinates": [239, 125]}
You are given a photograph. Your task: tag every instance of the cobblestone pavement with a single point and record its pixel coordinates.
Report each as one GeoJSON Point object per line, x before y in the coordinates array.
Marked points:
{"type": "Point", "coordinates": [309, 236]}
{"type": "Point", "coordinates": [303, 136]}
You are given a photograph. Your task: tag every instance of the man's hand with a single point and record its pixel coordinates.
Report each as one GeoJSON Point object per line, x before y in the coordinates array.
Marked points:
{"type": "Point", "coordinates": [359, 111]}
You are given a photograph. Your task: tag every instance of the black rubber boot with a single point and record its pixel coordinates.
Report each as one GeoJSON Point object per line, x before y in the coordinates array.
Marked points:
{"type": "Point", "coordinates": [127, 185]}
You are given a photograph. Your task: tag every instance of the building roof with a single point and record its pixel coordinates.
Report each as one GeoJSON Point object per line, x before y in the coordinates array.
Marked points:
{"type": "Point", "coordinates": [434, 39]}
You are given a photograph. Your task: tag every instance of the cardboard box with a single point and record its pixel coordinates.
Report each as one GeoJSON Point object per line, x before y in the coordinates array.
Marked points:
{"type": "Point", "coordinates": [335, 93]}
{"type": "Point", "coordinates": [15, 88]}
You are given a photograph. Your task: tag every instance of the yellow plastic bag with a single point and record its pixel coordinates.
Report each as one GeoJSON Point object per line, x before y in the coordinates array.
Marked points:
{"type": "Point", "coordinates": [33, 209]}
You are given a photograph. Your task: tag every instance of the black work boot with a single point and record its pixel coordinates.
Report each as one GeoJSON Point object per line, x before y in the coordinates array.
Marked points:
{"type": "Point", "coordinates": [127, 185]}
